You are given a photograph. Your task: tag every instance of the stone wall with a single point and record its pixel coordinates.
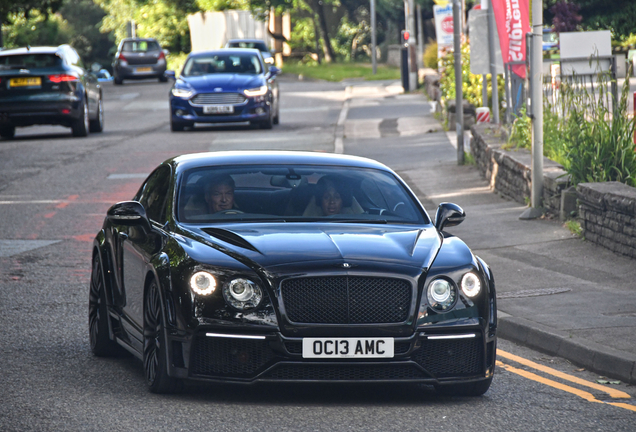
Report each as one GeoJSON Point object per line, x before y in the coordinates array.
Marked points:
{"type": "Point", "coordinates": [509, 171]}
{"type": "Point", "coordinates": [607, 213]}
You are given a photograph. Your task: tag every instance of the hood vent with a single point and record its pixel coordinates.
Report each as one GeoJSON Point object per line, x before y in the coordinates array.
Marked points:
{"type": "Point", "coordinates": [230, 237]}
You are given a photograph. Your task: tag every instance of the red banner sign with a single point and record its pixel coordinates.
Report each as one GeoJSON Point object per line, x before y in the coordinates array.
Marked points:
{"type": "Point", "coordinates": [513, 22]}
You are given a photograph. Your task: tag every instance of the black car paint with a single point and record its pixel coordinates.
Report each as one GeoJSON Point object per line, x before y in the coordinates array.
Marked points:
{"type": "Point", "coordinates": [134, 250]}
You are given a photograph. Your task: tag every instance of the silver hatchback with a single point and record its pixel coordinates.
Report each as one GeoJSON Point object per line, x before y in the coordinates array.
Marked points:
{"type": "Point", "coordinates": [138, 58]}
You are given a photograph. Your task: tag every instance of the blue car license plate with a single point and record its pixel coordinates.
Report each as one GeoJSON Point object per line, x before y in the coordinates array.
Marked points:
{"type": "Point", "coordinates": [218, 109]}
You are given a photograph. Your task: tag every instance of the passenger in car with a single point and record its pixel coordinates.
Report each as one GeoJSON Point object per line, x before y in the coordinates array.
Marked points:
{"type": "Point", "coordinates": [333, 196]}
{"type": "Point", "coordinates": [219, 194]}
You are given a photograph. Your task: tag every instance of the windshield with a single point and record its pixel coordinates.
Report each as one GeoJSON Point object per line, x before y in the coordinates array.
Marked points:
{"type": "Point", "coordinates": [295, 194]}
{"type": "Point", "coordinates": [222, 63]}
{"type": "Point", "coordinates": [29, 61]}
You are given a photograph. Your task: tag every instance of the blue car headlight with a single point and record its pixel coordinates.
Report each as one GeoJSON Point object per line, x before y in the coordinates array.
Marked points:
{"type": "Point", "coordinates": [258, 91]}
{"type": "Point", "coordinates": [182, 92]}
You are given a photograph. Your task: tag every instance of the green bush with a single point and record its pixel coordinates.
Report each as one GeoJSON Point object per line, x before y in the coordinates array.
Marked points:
{"type": "Point", "coordinates": [430, 55]}
{"type": "Point", "coordinates": [472, 84]}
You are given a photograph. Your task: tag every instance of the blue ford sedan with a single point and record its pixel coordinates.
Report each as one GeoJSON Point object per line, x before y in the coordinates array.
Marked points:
{"type": "Point", "coordinates": [224, 86]}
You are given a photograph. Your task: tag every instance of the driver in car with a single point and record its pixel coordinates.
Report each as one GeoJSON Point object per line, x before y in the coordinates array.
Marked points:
{"type": "Point", "coordinates": [219, 194]}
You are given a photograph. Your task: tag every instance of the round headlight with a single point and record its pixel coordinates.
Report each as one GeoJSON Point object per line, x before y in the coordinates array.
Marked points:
{"type": "Point", "coordinates": [203, 283]}
{"type": "Point", "coordinates": [441, 294]}
{"type": "Point", "coordinates": [242, 294]}
{"type": "Point", "coordinates": [471, 285]}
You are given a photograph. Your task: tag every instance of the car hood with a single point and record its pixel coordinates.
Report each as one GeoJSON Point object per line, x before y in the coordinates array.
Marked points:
{"type": "Point", "coordinates": [272, 246]}
{"type": "Point", "coordinates": [224, 81]}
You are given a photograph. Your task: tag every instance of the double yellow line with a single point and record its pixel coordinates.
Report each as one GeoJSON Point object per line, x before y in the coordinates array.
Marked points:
{"type": "Point", "coordinates": [613, 393]}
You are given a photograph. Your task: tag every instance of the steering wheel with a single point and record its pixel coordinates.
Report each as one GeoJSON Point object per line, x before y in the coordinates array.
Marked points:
{"type": "Point", "coordinates": [230, 212]}
{"type": "Point", "coordinates": [401, 203]}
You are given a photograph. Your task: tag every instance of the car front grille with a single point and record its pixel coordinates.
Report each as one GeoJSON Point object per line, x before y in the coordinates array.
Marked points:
{"type": "Point", "coordinates": [218, 99]}
{"type": "Point", "coordinates": [346, 300]}
{"type": "Point", "coordinates": [229, 357]}
{"type": "Point", "coordinates": [344, 372]}
{"type": "Point", "coordinates": [451, 357]}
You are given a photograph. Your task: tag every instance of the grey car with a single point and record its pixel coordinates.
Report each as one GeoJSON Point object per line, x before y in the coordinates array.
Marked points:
{"type": "Point", "coordinates": [139, 58]}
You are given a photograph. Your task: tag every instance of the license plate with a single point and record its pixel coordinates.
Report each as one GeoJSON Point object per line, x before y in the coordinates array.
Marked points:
{"type": "Point", "coordinates": [218, 109]}
{"type": "Point", "coordinates": [143, 69]}
{"type": "Point", "coordinates": [348, 348]}
{"type": "Point", "coordinates": [25, 82]}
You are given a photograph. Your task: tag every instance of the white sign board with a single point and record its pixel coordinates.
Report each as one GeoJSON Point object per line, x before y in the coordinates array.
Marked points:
{"type": "Point", "coordinates": [444, 25]}
{"type": "Point", "coordinates": [578, 47]}
{"type": "Point", "coordinates": [479, 52]}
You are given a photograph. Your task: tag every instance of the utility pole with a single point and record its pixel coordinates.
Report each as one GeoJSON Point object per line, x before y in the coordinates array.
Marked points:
{"type": "Point", "coordinates": [492, 29]}
{"type": "Point", "coordinates": [536, 101]}
{"type": "Point", "coordinates": [459, 103]}
{"type": "Point", "coordinates": [420, 36]}
{"type": "Point", "coordinates": [374, 60]}
{"type": "Point", "coordinates": [409, 19]}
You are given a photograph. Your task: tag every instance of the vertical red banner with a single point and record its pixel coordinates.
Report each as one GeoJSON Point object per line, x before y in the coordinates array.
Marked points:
{"type": "Point", "coordinates": [513, 22]}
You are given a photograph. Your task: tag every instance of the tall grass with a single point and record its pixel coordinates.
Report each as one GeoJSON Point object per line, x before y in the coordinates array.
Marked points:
{"type": "Point", "coordinates": [586, 132]}
{"type": "Point", "coordinates": [598, 140]}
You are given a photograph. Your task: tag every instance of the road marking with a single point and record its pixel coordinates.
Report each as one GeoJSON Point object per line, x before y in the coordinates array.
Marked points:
{"type": "Point", "coordinates": [580, 393]}
{"type": "Point", "coordinates": [14, 247]}
{"type": "Point", "coordinates": [127, 176]}
{"type": "Point", "coordinates": [610, 391]}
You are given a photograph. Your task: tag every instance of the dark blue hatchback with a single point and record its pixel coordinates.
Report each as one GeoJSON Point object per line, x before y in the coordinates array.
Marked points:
{"type": "Point", "coordinates": [224, 86]}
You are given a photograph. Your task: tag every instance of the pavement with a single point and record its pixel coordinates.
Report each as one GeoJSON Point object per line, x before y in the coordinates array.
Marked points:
{"type": "Point", "coordinates": [556, 292]}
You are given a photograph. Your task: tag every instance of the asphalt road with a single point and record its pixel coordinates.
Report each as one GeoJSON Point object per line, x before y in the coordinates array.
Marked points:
{"type": "Point", "coordinates": [54, 192]}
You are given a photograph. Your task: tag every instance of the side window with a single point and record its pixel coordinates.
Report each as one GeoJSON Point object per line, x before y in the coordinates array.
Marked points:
{"type": "Point", "coordinates": [153, 195]}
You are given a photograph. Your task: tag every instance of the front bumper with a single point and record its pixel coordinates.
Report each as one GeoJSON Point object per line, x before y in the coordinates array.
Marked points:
{"type": "Point", "coordinates": [460, 355]}
{"type": "Point", "coordinates": [182, 111]}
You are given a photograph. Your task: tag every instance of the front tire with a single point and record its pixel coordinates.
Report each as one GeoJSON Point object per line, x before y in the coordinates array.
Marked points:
{"type": "Point", "coordinates": [99, 335]}
{"type": "Point", "coordinates": [269, 123]}
{"type": "Point", "coordinates": [155, 361]}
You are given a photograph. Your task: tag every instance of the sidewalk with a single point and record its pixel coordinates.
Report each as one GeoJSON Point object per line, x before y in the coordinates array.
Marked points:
{"type": "Point", "coordinates": [556, 293]}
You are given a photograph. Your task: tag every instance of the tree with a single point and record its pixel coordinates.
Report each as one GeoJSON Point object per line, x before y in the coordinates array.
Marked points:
{"type": "Point", "coordinates": [8, 7]}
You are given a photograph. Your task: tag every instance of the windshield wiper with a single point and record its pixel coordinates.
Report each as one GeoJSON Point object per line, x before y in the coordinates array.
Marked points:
{"type": "Point", "coordinates": [360, 221]}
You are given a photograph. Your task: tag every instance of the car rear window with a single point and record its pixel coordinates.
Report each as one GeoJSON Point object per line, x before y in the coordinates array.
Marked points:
{"type": "Point", "coordinates": [222, 63]}
{"type": "Point", "coordinates": [255, 45]}
{"type": "Point", "coordinates": [140, 46]}
{"type": "Point", "coordinates": [29, 61]}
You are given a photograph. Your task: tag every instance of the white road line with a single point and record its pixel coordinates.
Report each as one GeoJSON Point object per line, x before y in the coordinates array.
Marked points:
{"type": "Point", "coordinates": [127, 176]}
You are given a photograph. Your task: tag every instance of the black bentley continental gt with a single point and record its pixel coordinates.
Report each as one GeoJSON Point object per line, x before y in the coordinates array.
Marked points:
{"type": "Point", "coordinates": [249, 267]}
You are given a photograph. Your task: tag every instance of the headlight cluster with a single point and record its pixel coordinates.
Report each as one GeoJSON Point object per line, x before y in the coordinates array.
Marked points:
{"type": "Point", "coordinates": [258, 91]}
{"type": "Point", "coordinates": [442, 293]}
{"type": "Point", "coordinates": [182, 93]}
{"type": "Point", "coordinates": [239, 293]}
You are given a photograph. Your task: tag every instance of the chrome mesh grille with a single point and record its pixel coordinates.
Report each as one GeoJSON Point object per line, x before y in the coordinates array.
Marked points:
{"type": "Point", "coordinates": [218, 99]}
{"type": "Point", "coordinates": [346, 300]}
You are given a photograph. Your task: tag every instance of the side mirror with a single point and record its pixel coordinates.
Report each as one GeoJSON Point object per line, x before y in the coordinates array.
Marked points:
{"type": "Point", "coordinates": [166, 51]}
{"type": "Point", "coordinates": [273, 70]}
{"type": "Point", "coordinates": [170, 74]}
{"type": "Point", "coordinates": [448, 215]}
{"type": "Point", "coordinates": [129, 213]}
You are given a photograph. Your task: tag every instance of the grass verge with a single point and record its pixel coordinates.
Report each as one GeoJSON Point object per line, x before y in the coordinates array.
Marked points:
{"type": "Point", "coordinates": [337, 72]}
